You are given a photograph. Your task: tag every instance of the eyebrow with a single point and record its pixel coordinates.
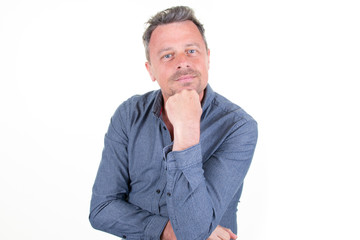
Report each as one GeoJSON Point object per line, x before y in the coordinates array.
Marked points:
{"type": "Point", "coordinates": [164, 50]}
{"type": "Point", "coordinates": [170, 48]}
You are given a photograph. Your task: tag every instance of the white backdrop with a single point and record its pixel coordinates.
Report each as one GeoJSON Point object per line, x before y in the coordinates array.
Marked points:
{"type": "Point", "coordinates": [293, 65]}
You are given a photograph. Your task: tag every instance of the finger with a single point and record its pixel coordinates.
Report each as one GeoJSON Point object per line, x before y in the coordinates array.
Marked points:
{"type": "Point", "coordinates": [212, 237]}
{"type": "Point", "coordinates": [232, 235]}
{"type": "Point", "coordinates": [223, 235]}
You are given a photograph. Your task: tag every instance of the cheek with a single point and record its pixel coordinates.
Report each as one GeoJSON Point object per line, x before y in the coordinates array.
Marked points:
{"type": "Point", "coordinates": [168, 69]}
{"type": "Point", "coordinates": [163, 74]}
{"type": "Point", "coordinates": [201, 63]}
{"type": "Point", "coordinates": [158, 72]}
{"type": "Point", "coordinates": [204, 68]}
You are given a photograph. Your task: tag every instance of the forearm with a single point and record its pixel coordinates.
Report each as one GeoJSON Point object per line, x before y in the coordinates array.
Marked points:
{"type": "Point", "coordinates": [189, 204]}
{"type": "Point", "coordinates": [200, 190]}
{"type": "Point", "coordinates": [123, 219]}
{"type": "Point", "coordinates": [186, 136]}
{"type": "Point", "coordinates": [110, 209]}
{"type": "Point", "coordinates": [184, 111]}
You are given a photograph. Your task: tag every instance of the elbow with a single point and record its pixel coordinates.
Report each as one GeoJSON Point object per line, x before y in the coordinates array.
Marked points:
{"type": "Point", "coordinates": [96, 218]}
{"type": "Point", "coordinates": [94, 221]}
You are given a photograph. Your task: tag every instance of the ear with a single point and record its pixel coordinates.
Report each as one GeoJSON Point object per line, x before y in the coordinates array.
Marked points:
{"type": "Point", "coordinates": [149, 69]}
{"type": "Point", "coordinates": [208, 53]}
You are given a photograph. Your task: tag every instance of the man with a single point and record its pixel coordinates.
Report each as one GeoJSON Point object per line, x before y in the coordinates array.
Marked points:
{"type": "Point", "coordinates": [175, 159]}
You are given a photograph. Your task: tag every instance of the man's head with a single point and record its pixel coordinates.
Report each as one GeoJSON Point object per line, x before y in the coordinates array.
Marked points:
{"type": "Point", "coordinates": [170, 15]}
{"type": "Point", "coordinates": [176, 51]}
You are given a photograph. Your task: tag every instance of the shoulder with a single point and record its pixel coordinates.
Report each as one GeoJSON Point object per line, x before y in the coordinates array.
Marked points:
{"type": "Point", "coordinates": [138, 102]}
{"type": "Point", "coordinates": [142, 101]}
{"type": "Point", "coordinates": [242, 126]}
{"type": "Point", "coordinates": [223, 106]}
{"type": "Point", "coordinates": [226, 124]}
{"type": "Point", "coordinates": [136, 106]}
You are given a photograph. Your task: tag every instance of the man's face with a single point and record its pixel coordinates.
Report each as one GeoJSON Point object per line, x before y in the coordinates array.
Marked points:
{"type": "Point", "coordinates": [179, 59]}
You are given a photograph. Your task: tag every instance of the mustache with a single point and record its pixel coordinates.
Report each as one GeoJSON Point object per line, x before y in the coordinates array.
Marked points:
{"type": "Point", "coordinates": [188, 71]}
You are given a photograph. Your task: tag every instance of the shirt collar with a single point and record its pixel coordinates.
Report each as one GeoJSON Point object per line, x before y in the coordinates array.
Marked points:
{"type": "Point", "coordinates": [159, 101]}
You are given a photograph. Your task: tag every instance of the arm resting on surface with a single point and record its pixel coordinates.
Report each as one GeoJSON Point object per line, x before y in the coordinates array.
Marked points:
{"type": "Point", "coordinates": [110, 211]}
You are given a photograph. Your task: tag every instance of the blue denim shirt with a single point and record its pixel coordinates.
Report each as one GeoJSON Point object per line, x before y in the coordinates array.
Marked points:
{"type": "Point", "coordinates": [141, 183]}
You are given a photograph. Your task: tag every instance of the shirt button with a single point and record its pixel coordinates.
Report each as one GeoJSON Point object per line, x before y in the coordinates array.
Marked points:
{"type": "Point", "coordinates": [158, 191]}
{"type": "Point", "coordinates": [169, 194]}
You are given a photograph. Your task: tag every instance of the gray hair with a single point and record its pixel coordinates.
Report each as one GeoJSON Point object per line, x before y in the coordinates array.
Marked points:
{"type": "Point", "coordinates": [170, 15]}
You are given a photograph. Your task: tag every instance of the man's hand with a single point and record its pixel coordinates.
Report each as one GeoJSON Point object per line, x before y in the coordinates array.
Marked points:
{"type": "Point", "coordinates": [184, 112]}
{"type": "Point", "coordinates": [221, 233]}
{"type": "Point", "coordinates": [168, 233]}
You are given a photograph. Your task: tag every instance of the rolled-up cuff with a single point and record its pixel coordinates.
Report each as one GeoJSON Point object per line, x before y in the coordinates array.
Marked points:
{"type": "Point", "coordinates": [185, 158]}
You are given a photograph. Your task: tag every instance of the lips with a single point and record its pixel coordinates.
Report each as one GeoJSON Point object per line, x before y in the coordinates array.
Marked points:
{"type": "Point", "coordinates": [185, 78]}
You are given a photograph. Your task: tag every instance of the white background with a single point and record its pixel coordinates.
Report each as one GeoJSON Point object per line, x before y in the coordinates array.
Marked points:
{"type": "Point", "coordinates": [293, 65]}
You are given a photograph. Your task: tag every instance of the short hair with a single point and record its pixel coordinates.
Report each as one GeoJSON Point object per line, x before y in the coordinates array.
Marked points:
{"type": "Point", "coordinates": [170, 15]}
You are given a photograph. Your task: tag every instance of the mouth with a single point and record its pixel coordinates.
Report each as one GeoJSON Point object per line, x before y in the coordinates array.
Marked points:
{"type": "Point", "coordinates": [185, 75]}
{"type": "Point", "coordinates": [185, 78]}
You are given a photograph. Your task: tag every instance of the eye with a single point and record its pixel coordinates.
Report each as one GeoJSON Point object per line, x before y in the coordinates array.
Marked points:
{"type": "Point", "coordinates": [167, 56]}
{"type": "Point", "coordinates": [191, 51]}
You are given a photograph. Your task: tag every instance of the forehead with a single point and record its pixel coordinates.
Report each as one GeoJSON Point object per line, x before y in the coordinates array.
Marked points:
{"type": "Point", "coordinates": [178, 33]}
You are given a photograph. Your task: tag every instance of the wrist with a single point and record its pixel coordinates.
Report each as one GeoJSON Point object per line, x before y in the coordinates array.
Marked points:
{"type": "Point", "coordinates": [185, 138]}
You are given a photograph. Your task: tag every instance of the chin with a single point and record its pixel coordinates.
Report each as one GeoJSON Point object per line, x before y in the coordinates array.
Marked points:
{"type": "Point", "coordinates": [187, 88]}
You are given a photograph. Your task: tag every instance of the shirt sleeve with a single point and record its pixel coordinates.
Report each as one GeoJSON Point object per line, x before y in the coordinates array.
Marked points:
{"type": "Point", "coordinates": [110, 211]}
{"type": "Point", "coordinates": [199, 191]}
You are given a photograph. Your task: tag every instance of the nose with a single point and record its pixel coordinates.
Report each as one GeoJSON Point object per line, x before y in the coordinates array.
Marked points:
{"type": "Point", "coordinates": [182, 61]}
